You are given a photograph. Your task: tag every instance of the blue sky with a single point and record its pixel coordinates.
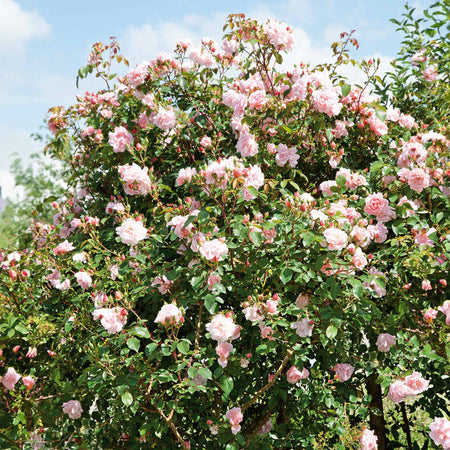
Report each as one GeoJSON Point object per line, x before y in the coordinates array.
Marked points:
{"type": "Point", "coordinates": [44, 42]}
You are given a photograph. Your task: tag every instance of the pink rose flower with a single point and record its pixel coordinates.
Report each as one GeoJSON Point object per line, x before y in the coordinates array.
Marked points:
{"type": "Point", "coordinates": [430, 314]}
{"type": "Point", "coordinates": [398, 391]}
{"type": "Point", "coordinates": [377, 125]}
{"type": "Point", "coordinates": [326, 100]}
{"type": "Point", "coordinates": [416, 383]}
{"type": "Point", "coordinates": [304, 327]}
{"type": "Point", "coordinates": [343, 371]}
{"type": "Point", "coordinates": [165, 119]}
{"type": "Point", "coordinates": [279, 35]}
{"type": "Point", "coordinates": [28, 382]}
{"type": "Point", "coordinates": [119, 139]}
{"type": "Point", "coordinates": [235, 417]}
{"type": "Point", "coordinates": [84, 279]}
{"type": "Point", "coordinates": [73, 409]}
{"type": "Point", "coordinates": [246, 145]}
{"type": "Point", "coordinates": [136, 180]}
{"type": "Point", "coordinates": [445, 308]}
{"type": "Point", "coordinates": [10, 379]}
{"type": "Point", "coordinates": [368, 440]}
{"type": "Point", "coordinates": [213, 250]}
{"type": "Point", "coordinates": [385, 341]}
{"type": "Point", "coordinates": [440, 432]}
{"type": "Point", "coordinates": [62, 248]}
{"type": "Point", "coordinates": [212, 280]}
{"type": "Point", "coordinates": [336, 239]}
{"type": "Point", "coordinates": [169, 314]}
{"type": "Point", "coordinates": [222, 328]}
{"type": "Point", "coordinates": [257, 99]}
{"type": "Point", "coordinates": [113, 320]}
{"type": "Point", "coordinates": [359, 260]}
{"type": "Point", "coordinates": [293, 375]}
{"type": "Point", "coordinates": [286, 155]}
{"type": "Point", "coordinates": [131, 231]}
{"type": "Point", "coordinates": [426, 285]}
{"type": "Point", "coordinates": [185, 176]}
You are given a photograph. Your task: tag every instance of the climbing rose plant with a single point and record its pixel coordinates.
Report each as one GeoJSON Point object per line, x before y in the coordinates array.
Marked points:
{"type": "Point", "coordinates": [247, 257]}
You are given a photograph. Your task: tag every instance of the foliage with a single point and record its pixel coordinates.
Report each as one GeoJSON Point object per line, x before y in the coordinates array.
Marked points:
{"type": "Point", "coordinates": [40, 183]}
{"type": "Point", "coordinates": [212, 280]}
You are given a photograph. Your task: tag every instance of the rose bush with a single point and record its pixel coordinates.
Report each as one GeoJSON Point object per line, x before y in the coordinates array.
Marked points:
{"type": "Point", "coordinates": [252, 260]}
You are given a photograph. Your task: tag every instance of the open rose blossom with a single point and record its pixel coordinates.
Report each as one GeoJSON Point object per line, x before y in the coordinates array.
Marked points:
{"type": "Point", "coordinates": [120, 139]}
{"type": "Point", "coordinates": [385, 341]}
{"type": "Point", "coordinates": [112, 319]}
{"type": "Point", "coordinates": [303, 327]}
{"type": "Point", "coordinates": [10, 379]}
{"type": "Point", "coordinates": [131, 231]}
{"type": "Point", "coordinates": [440, 432]}
{"type": "Point", "coordinates": [222, 328]}
{"type": "Point", "coordinates": [135, 179]}
{"type": "Point", "coordinates": [398, 391]}
{"type": "Point", "coordinates": [62, 248]}
{"type": "Point", "coordinates": [84, 279]}
{"type": "Point", "coordinates": [235, 417]}
{"type": "Point", "coordinates": [169, 314]}
{"type": "Point", "coordinates": [213, 250]}
{"type": "Point", "coordinates": [343, 371]}
{"type": "Point", "coordinates": [336, 239]}
{"type": "Point", "coordinates": [416, 383]}
{"type": "Point", "coordinates": [28, 382]}
{"type": "Point", "coordinates": [294, 375]}
{"type": "Point", "coordinates": [368, 440]}
{"type": "Point", "coordinates": [73, 409]}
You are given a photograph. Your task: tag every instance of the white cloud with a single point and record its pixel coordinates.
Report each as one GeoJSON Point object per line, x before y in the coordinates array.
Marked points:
{"type": "Point", "coordinates": [17, 26]}
{"type": "Point", "coordinates": [145, 42]}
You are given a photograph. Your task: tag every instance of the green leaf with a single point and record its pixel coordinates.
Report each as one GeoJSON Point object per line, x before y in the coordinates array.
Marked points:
{"type": "Point", "coordinates": [150, 348]}
{"type": "Point", "coordinates": [21, 329]}
{"type": "Point", "coordinates": [256, 237]}
{"type": "Point", "coordinates": [205, 373]}
{"type": "Point", "coordinates": [142, 332]}
{"type": "Point", "coordinates": [286, 275]}
{"type": "Point", "coordinates": [192, 372]}
{"type": "Point", "coordinates": [226, 383]}
{"type": "Point", "coordinates": [183, 346]}
{"type": "Point", "coordinates": [346, 88]}
{"type": "Point", "coordinates": [127, 398]}
{"type": "Point", "coordinates": [340, 180]}
{"type": "Point", "coordinates": [331, 332]}
{"type": "Point", "coordinates": [133, 344]}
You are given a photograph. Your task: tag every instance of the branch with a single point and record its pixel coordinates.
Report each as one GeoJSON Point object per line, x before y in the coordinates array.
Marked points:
{"type": "Point", "coordinates": [271, 382]}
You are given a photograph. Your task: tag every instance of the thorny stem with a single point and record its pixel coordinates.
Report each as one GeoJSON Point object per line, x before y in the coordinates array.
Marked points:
{"type": "Point", "coordinates": [271, 382]}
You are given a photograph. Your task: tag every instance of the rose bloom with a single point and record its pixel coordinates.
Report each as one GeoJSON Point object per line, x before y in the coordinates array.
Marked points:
{"type": "Point", "coordinates": [119, 139]}
{"type": "Point", "coordinates": [73, 409]}
{"type": "Point", "coordinates": [368, 440]}
{"type": "Point", "coordinates": [426, 285]}
{"type": "Point", "coordinates": [222, 328]}
{"type": "Point", "coordinates": [359, 260]}
{"type": "Point", "coordinates": [376, 204]}
{"type": "Point", "coordinates": [336, 239]}
{"type": "Point", "coordinates": [62, 248]}
{"type": "Point", "coordinates": [398, 391]}
{"type": "Point", "coordinates": [165, 119]}
{"type": "Point", "coordinates": [416, 383]}
{"type": "Point", "coordinates": [169, 314]}
{"type": "Point", "coordinates": [235, 417]}
{"type": "Point", "coordinates": [385, 341]}
{"type": "Point", "coordinates": [10, 379]}
{"type": "Point", "coordinates": [343, 371]}
{"type": "Point", "coordinates": [246, 145]}
{"type": "Point", "coordinates": [303, 328]}
{"type": "Point", "coordinates": [430, 314]}
{"type": "Point", "coordinates": [212, 280]}
{"type": "Point", "coordinates": [213, 250]}
{"type": "Point", "coordinates": [252, 313]}
{"type": "Point", "coordinates": [445, 308]}
{"type": "Point", "coordinates": [418, 180]}
{"type": "Point", "coordinates": [293, 375]}
{"type": "Point", "coordinates": [111, 319]}
{"type": "Point", "coordinates": [185, 176]}
{"type": "Point", "coordinates": [136, 180]}
{"type": "Point", "coordinates": [84, 279]}
{"type": "Point", "coordinates": [440, 432]}
{"type": "Point", "coordinates": [28, 382]}
{"type": "Point", "coordinates": [131, 231]}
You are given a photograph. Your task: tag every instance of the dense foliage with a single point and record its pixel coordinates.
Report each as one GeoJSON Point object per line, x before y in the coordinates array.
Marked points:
{"type": "Point", "coordinates": [248, 258]}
